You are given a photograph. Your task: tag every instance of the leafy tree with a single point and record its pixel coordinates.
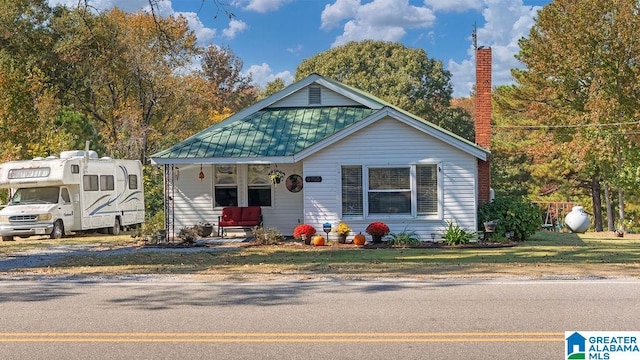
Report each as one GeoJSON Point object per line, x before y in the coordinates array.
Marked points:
{"type": "Point", "coordinates": [120, 74]}
{"type": "Point", "coordinates": [28, 105]}
{"type": "Point", "coordinates": [581, 81]}
{"type": "Point", "coordinates": [232, 90]}
{"type": "Point", "coordinates": [405, 77]}
{"type": "Point", "coordinates": [272, 87]}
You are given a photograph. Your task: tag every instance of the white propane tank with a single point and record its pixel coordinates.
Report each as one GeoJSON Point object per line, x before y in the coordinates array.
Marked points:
{"type": "Point", "coordinates": [577, 220]}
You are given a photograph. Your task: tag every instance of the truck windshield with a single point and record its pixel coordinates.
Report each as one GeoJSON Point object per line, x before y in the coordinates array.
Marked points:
{"type": "Point", "coordinates": [42, 195]}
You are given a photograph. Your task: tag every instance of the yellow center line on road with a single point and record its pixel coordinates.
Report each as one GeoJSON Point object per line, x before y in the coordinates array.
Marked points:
{"type": "Point", "coordinates": [282, 337]}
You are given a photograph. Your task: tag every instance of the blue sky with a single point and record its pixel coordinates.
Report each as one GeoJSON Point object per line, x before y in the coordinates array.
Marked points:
{"type": "Point", "coordinates": [272, 37]}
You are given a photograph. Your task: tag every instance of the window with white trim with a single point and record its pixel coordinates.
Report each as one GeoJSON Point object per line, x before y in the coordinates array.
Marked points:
{"type": "Point", "coordinates": [427, 189]}
{"type": "Point", "coordinates": [258, 185]}
{"type": "Point", "coordinates": [389, 190]}
{"type": "Point", "coordinates": [226, 185]}
{"type": "Point", "coordinates": [352, 190]}
{"type": "Point", "coordinates": [405, 190]}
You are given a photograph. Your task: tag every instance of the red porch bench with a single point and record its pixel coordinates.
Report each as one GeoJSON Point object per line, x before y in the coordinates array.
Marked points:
{"type": "Point", "coordinates": [239, 217]}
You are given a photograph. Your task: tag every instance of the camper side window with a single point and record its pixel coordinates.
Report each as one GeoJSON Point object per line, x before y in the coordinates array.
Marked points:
{"type": "Point", "coordinates": [106, 182]}
{"type": "Point", "coordinates": [133, 182]}
{"type": "Point", "coordinates": [75, 169]}
{"type": "Point", "coordinates": [90, 182]}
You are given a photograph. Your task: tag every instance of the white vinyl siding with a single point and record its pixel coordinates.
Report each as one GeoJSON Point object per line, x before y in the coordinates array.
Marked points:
{"type": "Point", "coordinates": [390, 143]}
{"type": "Point", "coordinates": [301, 99]}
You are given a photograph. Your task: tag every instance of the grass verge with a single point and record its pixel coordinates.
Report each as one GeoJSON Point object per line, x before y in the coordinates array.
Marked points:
{"type": "Point", "coordinates": [546, 255]}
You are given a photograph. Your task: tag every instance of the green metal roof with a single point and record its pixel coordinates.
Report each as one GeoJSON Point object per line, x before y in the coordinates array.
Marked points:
{"type": "Point", "coordinates": [268, 132]}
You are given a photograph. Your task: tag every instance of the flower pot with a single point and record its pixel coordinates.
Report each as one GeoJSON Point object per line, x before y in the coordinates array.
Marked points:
{"type": "Point", "coordinates": [342, 238]}
{"type": "Point", "coordinates": [376, 239]}
{"type": "Point", "coordinates": [206, 230]}
{"type": "Point", "coordinates": [490, 226]}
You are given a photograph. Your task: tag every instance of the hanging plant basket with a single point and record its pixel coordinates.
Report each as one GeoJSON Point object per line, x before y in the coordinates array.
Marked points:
{"type": "Point", "coordinates": [276, 176]}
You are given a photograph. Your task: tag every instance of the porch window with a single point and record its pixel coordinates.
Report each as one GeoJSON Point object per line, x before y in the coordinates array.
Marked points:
{"type": "Point", "coordinates": [226, 185]}
{"type": "Point", "coordinates": [258, 185]}
{"type": "Point", "coordinates": [409, 190]}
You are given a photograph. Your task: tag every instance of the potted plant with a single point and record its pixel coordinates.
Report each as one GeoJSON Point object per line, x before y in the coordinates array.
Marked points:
{"type": "Point", "coordinates": [343, 230]}
{"type": "Point", "coordinates": [304, 232]}
{"type": "Point", "coordinates": [377, 230]}
{"type": "Point", "coordinates": [205, 229]}
{"type": "Point", "coordinates": [276, 176]}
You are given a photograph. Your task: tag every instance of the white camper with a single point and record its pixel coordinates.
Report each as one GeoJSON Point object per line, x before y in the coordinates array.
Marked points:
{"type": "Point", "coordinates": [77, 191]}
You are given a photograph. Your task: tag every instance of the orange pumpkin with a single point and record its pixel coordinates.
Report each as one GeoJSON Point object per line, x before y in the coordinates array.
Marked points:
{"type": "Point", "coordinates": [359, 239]}
{"type": "Point", "coordinates": [318, 240]}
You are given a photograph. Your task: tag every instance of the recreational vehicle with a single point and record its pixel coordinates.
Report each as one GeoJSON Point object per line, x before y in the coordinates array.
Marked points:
{"type": "Point", "coordinates": [78, 191]}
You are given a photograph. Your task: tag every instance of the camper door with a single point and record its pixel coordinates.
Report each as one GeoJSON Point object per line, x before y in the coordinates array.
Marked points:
{"type": "Point", "coordinates": [66, 209]}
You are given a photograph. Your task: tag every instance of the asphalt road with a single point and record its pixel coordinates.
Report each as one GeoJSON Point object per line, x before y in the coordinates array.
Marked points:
{"type": "Point", "coordinates": [174, 318]}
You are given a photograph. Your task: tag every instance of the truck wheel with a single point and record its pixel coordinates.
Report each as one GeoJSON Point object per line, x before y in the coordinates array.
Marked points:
{"type": "Point", "coordinates": [58, 230]}
{"type": "Point", "coordinates": [115, 230]}
{"type": "Point", "coordinates": [7, 238]}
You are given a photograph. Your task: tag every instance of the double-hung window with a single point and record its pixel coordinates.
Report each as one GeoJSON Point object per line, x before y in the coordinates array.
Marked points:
{"type": "Point", "coordinates": [226, 185]}
{"type": "Point", "coordinates": [258, 186]}
{"type": "Point", "coordinates": [389, 190]}
{"type": "Point", "coordinates": [352, 190]}
{"type": "Point", "coordinates": [403, 190]}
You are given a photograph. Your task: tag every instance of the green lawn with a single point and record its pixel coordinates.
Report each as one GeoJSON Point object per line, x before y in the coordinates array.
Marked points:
{"type": "Point", "coordinates": [547, 254]}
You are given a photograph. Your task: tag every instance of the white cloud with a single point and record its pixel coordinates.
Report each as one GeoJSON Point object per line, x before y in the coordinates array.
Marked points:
{"type": "Point", "coordinates": [332, 15]}
{"type": "Point", "coordinates": [261, 6]}
{"type": "Point", "coordinates": [164, 8]}
{"type": "Point", "coordinates": [262, 74]}
{"type": "Point", "coordinates": [235, 27]}
{"type": "Point", "coordinates": [506, 21]}
{"type": "Point", "coordinates": [125, 5]}
{"type": "Point", "coordinates": [377, 20]}
{"type": "Point", "coordinates": [295, 50]}
{"type": "Point", "coordinates": [204, 34]}
{"type": "Point", "coordinates": [454, 5]}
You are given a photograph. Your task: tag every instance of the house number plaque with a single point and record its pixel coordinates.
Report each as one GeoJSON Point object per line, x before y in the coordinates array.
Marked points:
{"type": "Point", "coordinates": [313, 179]}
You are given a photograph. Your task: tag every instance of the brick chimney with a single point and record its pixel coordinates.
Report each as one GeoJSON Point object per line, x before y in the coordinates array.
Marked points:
{"type": "Point", "coordinates": [483, 119]}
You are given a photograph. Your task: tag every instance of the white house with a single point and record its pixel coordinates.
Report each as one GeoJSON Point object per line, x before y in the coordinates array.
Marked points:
{"type": "Point", "coordinates": [347, 156]}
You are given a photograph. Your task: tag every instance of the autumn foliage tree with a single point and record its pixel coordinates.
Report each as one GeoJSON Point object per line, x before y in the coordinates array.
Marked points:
{"type": "Point", "coordinates": [405, 77]}
{"type": "Point", "coordinates": [580, 90]}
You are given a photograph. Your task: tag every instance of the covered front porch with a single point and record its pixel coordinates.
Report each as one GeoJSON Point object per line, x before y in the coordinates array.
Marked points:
{"type": "Point", "coordinates": [196, 194]}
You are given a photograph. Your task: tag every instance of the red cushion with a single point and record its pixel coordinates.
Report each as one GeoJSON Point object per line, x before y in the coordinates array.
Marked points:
{"type": "Point", "coordinates": [251, 213]}
{"type": "Point", "coordinates": [231, 214]}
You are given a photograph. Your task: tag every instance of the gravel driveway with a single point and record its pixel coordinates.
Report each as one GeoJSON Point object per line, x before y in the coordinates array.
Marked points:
{"type": "Point", "coordinates": [44, 257]}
